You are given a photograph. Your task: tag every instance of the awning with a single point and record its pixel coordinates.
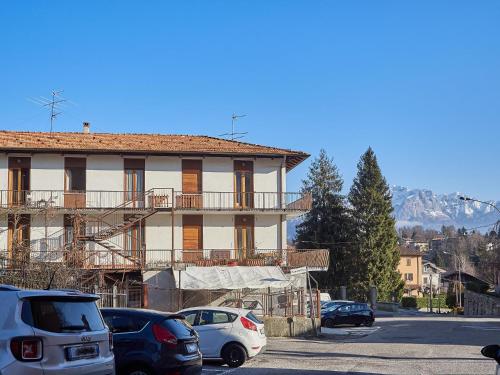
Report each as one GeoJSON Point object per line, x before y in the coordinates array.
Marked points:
{"type": "Point", "coordinates": [212, 278]}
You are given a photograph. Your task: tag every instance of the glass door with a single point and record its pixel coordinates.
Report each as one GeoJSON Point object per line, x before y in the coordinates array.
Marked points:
{"type": "Point", "coordinates": [134, 187]}
{"type": "Point", "coordinates": [19, 180]}
{"type": "Point", "coordinates": [244, 236]}
{"type": "Point", "coordinates": [243, 184]}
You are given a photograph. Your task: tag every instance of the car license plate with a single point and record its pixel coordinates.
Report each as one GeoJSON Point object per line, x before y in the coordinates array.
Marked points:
{"type": "Point", "coordinates": [74, 353]}
{"type": "Point", "coordinates": [192, 348]}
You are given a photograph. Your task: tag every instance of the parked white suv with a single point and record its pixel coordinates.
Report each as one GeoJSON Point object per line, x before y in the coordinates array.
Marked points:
{"type": "Point", "coordinates": [52, 332]}
{"type": "Point", "coordinates": [226, 333]}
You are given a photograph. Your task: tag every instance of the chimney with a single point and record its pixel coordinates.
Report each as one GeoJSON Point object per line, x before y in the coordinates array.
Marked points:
{"type": "Point", "coordinates": [86, 127]}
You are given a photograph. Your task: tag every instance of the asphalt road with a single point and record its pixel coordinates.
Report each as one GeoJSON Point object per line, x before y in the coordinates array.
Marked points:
{"type": "Point", "coordinates": [409, 345]}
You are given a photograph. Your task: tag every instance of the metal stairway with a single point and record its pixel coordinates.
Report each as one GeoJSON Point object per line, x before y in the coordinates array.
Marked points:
{"type": "Point", "coordinates": [143, 208]}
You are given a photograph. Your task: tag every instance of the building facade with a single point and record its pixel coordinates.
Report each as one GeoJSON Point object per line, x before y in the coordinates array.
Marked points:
{"type": "Point", "coordinates": [136, 202]}
{"type": "Point", "coordinates": [410, 268]}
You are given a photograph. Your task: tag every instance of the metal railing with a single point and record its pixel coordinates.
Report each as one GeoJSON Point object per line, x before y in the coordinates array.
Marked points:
{"type": "Point", "coordinates": [157, 198]}
{"type": "Point", "coordinates": [212, 200]}
{"type": "Point", "coordinates": [89, 199]}
{"type": "Point", "coordinates": [89, 257]}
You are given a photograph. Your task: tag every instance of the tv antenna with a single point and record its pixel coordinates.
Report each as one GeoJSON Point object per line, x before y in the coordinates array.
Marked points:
{"type": "Point", "coordinates": [53, 104]}
{"type": "Point", "coordinates": [234, 135]}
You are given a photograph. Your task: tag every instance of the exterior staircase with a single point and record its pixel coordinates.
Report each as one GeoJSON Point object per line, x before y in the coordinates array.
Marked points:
{"type": "Point", "coordinates": [142, 206]}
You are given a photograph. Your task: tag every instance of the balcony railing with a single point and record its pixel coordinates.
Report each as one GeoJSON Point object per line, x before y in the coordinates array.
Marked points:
{"type": "Point", "coordinates": [84, 258]}
{"type": "Point", "coordinates": [157, 198]}
{"type": "Point", "coordinates": [219, 201]}
{"type": "Point", "coordinates": [90, 199]}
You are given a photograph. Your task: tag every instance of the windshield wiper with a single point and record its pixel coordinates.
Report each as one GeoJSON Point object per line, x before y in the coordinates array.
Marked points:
{"type": "Point", "coordinates": [74, 328]}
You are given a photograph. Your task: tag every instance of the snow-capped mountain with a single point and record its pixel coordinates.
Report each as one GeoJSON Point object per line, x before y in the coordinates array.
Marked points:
{"type": "Point", "coordinates": [430, 210]}
{"type": "Point", "coordinates": [424, 207]}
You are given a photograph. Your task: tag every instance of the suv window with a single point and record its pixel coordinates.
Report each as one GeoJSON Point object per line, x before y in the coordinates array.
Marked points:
{"type": "Point", "coordinates": [215, 317]}
{"type": "Point", "coordinates": [118, 323]}
{"type": "Point", "coordinates": [62, 314]}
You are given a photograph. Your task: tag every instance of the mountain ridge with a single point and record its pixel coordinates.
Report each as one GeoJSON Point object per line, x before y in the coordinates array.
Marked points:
{"type": "Point", "coordinates": [431, 210]}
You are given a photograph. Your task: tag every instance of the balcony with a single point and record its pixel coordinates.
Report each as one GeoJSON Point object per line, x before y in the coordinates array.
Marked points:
{"type": "Point", "coordinates": [156, 259]}
{"type": "Point", "coordinates": [90, 199]}
{"type": "Point", "coordinates": [254, 201]}
{"type": "Point", "coordinates": [157, 198]}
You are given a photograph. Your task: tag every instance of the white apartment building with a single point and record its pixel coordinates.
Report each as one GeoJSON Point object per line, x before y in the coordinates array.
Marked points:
{"type": "Point", "coordinates": [142, 202]}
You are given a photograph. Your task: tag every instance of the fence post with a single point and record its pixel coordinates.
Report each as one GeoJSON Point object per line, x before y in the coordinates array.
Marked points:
{"type": "Point", "coordinates": [115, 296]}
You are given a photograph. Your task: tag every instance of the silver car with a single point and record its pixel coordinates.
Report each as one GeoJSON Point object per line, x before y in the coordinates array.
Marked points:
{"type": "Point", "coordinates": [52, 332]}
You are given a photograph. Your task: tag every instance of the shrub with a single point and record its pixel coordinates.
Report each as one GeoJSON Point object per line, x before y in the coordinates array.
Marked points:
{"type": "Point", "coordinates": [423, 302]}
{"type": "Point", "coordinates": [409, 302]}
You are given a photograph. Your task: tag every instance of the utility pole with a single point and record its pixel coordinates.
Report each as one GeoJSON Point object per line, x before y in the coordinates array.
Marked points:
{"type": "Point", "coordinates": [430, 292]}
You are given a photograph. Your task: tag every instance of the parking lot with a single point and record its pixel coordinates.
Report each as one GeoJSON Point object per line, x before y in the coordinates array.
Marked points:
{"type": "Point", "coordinates": [441, 345]}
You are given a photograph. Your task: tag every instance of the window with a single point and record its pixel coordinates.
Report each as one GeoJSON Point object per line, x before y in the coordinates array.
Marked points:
{"type": "Point", "coordinates": [408, 277]}
{"type": "Point", "coordinates": [124, 323]}
{"type": "Point", "coordinates": [75, 170]}
{"type": "Point", "coordinates": [408, 261]}
{"type": "Point", "coordinates": [344, 308]}
{"type": "Point", "coordinates": [214, 317]}
{"type": "Point", "coordinates": [190, 316]}
{"type": "Point", "coordinates": [62, 315]}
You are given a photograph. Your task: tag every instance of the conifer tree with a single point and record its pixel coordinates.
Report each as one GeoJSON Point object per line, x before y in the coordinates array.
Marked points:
{"type": "Point", "coordinates": [326, 224]}
{"type": "Point", "coordinates": [376, 255]}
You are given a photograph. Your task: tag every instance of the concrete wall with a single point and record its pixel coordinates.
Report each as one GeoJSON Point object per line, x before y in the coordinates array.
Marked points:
{"type": "Point", "coordinates": [218, 232]}
{"type": "Point", "coordinates": [277, 326]}
{"type": "Point", "coordinates": [266, 231]}
{"type": "Point", "coordinates": [267, 175]}
{"type": "Point", "coordinates": [163, 172]}
{"type": "Point", "coordinates": [476, 304]}
{"type": "Point", "coordinates": [160, 289]}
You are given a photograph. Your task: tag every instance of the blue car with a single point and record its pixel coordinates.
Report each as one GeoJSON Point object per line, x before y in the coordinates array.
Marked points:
{"type": "Point", "coordinates": [152, 343]}
{"type": "Point", "coordinates": [348, 313]}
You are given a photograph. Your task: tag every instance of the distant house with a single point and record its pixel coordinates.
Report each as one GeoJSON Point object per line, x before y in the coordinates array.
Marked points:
{"type": "Point", "coordinates": [410, 268]}
{"type": "Point", "coordinates": [432, 276]}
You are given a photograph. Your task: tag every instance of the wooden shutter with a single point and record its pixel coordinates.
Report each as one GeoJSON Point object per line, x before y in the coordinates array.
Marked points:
{"type": "Point", "coordinates": [191, 176]}
{"type": "Point", "coordinates": [192, 236]}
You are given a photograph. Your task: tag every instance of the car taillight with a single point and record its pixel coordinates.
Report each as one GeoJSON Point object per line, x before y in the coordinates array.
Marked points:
{"type": "Point", "coordinates": [164, 336]}
{"type": "Point", "coordinates": [27, 348]}
{"type": "Point", "coordinates": [110, 338]}
{"type": "Point", "coordinates": [248, 324]}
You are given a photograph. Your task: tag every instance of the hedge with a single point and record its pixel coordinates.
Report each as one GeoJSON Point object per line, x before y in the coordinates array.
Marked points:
{"type": "Point", "coordinates": [410, 302]}
{"type": "Point", "coordinates": [423, 302]}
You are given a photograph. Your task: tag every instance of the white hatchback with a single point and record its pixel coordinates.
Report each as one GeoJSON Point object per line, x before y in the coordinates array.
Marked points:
{"type": "Point", "coordinates": [227, 333]}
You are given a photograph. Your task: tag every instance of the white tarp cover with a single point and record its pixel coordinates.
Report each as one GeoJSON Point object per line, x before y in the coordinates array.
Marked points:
{"type": "Point", "coordinates": [213, 278]}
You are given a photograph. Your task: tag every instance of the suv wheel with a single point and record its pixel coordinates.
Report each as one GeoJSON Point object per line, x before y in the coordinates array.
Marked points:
{"type": "Point", "coordinates": [234, 355]}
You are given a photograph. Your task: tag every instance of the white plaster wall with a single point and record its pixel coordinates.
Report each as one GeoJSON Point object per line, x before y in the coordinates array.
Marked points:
{"type": "Point", "coordinates": [218, 232]}
{"type": "Point", "coordinates": [47, 172]}
{"type": "Point", "coordinates": [4, 172]}
{"type": "Point", "coordinates": [266, 174]}
{"type": "Point", "coordinates": [159, 237]}
{"type": "Point", "coordinates": [266, 231]}
{"type": "Point", "coordinates": [218, 174]}
{"type": "Point", "coordinates": [104, 173]}
{"type": "Point", "coordinates": [163, 172]}
{"type": "Point", "coordinates": [3, 232]}
{"type": "Point", "coordinates": [55, 233]}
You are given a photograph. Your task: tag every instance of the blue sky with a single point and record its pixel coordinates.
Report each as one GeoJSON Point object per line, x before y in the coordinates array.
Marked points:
{"type": "Point", "coordinates": [418, 81]}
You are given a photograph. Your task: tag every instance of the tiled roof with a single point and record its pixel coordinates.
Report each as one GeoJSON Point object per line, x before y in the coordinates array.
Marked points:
{"type": "Point", "coordinates": [407, 251]}
{"type": "Point", "coordinates": [163, 144]}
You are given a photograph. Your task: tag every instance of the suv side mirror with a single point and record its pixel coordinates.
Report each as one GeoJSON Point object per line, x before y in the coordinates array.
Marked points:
{"type": "Point", "coordinates": [492, 351]}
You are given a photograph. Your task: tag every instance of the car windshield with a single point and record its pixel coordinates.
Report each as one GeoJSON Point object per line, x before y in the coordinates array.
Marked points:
{"type": "Point", "coordinates": [62, 315]}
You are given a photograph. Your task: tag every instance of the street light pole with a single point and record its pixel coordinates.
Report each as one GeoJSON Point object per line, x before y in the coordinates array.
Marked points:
{"type": "Point", "coordinates": [464, 198]}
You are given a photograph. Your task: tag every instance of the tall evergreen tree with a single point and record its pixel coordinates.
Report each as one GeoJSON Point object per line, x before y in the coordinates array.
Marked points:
{"type": "Point", "coordinates": [326, 224]}
{"type": "Point", "coordinates": [376, 254]}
